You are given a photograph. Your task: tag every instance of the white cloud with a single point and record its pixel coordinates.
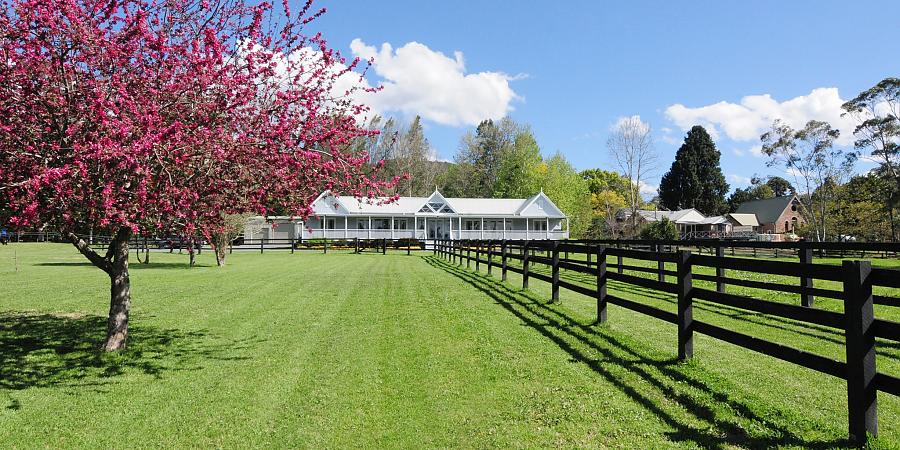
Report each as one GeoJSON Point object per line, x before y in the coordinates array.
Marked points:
{"type": "Point", "coordinates": [756, 151]}
{"type": "Point", "coordinates": [642, 126]}
{"type": "Point", "coordinates": [747, 120]}
{"type": "Point", "coordinates": [738, 179]}
{"type": "Point", "coordinates": [418, 80]}
{"type": "Point", "coordinates": [647, 189]}
{"type": "Point", "coordinates": [670, 140]}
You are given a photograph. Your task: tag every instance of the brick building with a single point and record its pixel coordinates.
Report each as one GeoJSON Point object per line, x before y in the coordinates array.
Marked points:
{"type": "Point", "coordinates": [775, 215]}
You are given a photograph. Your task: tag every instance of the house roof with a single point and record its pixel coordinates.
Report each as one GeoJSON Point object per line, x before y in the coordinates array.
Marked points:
{"type": "Point", "coordinates": [768, 210]}
{"type": "Point", "coordinates": [747, 220]}
{"type": "Point", "coordinates": [714, 220]}
{"type": "Point", "coordinates": [690, 215]}
{"type": "Point", "coordinates": [457, 206]}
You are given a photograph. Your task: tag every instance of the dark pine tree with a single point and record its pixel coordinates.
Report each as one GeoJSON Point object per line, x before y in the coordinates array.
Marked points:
{"type": "Point", "coordinates": [695, 179]}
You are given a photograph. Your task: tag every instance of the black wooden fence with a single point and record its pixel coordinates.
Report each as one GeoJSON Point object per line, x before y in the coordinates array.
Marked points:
{"type": "Point", "coordinates": [140, 244]}
{"type": "Point", "coordinates": [858, 321]}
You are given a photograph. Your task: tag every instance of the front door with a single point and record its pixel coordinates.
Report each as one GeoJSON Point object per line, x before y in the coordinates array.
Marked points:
{"type": "Point", "coordinates": [438, 229]}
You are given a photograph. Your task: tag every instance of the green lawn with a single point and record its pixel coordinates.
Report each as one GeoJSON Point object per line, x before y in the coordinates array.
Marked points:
{"type": "Point", "coordinates": [343, 350]}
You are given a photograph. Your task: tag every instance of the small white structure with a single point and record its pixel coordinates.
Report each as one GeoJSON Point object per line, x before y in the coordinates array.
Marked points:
{"type": "Point", "coordinates": [692, 224]}
{"type": "Point", "coordinates": [684, 219]}
{"type": "Point", "coordinates": [433, 217]}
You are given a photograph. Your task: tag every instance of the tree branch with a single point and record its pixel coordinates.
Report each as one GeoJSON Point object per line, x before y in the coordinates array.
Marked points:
{"type": "Point", "coordinates": [89, 253]}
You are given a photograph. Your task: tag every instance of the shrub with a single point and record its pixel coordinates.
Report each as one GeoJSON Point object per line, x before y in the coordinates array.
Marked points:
{"type": "Point", "coordinates": [663, 229]}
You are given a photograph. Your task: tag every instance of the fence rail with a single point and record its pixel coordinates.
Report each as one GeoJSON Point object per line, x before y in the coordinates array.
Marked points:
{"type": "Point", "coordinates": [857, 321]}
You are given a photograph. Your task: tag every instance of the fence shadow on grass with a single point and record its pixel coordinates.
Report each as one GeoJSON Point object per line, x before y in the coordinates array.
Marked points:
{"type": "Point", "coordinates": [55, 350]}
{"type": "Point", "coordinates": [750, 318]}
{"type": "Point", "coordinates": [700, 408]}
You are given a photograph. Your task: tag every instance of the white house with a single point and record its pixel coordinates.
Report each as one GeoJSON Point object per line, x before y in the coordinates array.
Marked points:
{"type": "Point", "coordinates": [433, 217]}
{"type": "Point", "coordinates": [692, 224]}
{"type": "Point", "coordinates": [684, 219]}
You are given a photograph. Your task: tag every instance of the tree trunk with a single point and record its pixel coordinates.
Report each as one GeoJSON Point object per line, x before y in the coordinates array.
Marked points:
{"type": "Point", "coordinates": [218, 250]}
{"type": "Point", "coordinates": [220, 255]}
{"type": "Point", "coordinates": [120, 295]}
{"type": "Point", "coordinates": [146, 248]}
{"type": "Point", "coordinates": [115, 264]}
{"type": "Point", "coordinates": [192, 252]}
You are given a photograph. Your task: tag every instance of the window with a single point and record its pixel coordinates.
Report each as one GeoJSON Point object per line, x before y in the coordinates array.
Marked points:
{"type": "Point", "coordinates": [421, 224]}
{"type": "Point", "coordinates": [381, 224]}
{"type": "Point", "coordinates": [362, 224]}
{"type": "Point", "coordinates": [436, 207]}
{"type": "Point", "coordinates": [330, 223]}
{"type": "Point", "coordinates": [539, 225]}
{"type": "Point", "coordinates": [473, 225]}
{"type": "Point", "coordinates": [400, 224]}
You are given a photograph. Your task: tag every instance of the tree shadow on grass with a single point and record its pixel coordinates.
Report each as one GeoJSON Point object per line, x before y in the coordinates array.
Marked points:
{"type": "Point", "coordinates": [62, 350]}
{"type": "Point", "coordinates": [702, 408]}
{"type": "Point", "coordinates": [131, 267]}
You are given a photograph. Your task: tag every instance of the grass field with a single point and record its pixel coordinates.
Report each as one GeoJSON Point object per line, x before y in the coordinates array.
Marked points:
{"type": "Point", "coordinates": [343, 350]}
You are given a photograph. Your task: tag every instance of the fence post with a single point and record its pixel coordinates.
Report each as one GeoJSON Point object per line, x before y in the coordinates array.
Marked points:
{"type": "Point", "coordinates": [859, 314]}
{"type": "Point", "coordinates": [525, 265]}
{"type": "Point", "coordinates": [490, 255]}
{"type": "Point", "coordinates": [260, 247]}
{"type": "Point", "coordinates": [292, 245]}
{"type": "Point", "coordinates": [356, 242]}
{"type": "Point", "coordinates": [685, 307]}
{"type": "Point", "coordinates": [503, 260]}
{"type": "Point", "coordinates": [660, 265]}
{"type": "Point", "coordinates": [554, 296]}
{"type": "Point", "coordinates": [477, 256]}
{"type": "Point", "coordinates": [806, 299]}
{"type": "Point", "coordinates": [325, 245]}
{"type": "Point", "coordinates": [589, 257]}
{"type": "Point", "coordinates": [601, 283]}
{"type": "Point", "coordinates": [720, 271]}
{"type": "Point", "coordinates": [384, 246]}
{"type": "Point", "coordinates": [468, 254]}
{"type": "Point", "coordinates": [408, 246]}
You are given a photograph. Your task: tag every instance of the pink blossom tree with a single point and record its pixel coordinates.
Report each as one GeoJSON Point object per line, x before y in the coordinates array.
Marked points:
{"type": "Point", "coordinates": [163, 116]}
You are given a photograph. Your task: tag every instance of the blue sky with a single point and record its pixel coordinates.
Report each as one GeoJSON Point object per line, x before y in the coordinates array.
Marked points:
{"type": "Point", "coordinates": [571, 69]}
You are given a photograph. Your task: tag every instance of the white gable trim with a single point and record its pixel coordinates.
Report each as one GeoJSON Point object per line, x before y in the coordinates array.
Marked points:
{"type": "Point", "coordinates": [540, 195]}
{"type": "Point", "coordinates": [431, 199]}
{"type": "Point", "coordinates": [334, 198]}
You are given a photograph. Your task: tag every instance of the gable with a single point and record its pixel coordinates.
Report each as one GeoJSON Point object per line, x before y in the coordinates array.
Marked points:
{"type": "Point", "coordinates": [540, 206]}
{"type": "Point", "coordinates": [328, 204]}
{"type": "Point", "coordinates": [766, 211]}
{"type": "Point", "coordinates": [436, 203]}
